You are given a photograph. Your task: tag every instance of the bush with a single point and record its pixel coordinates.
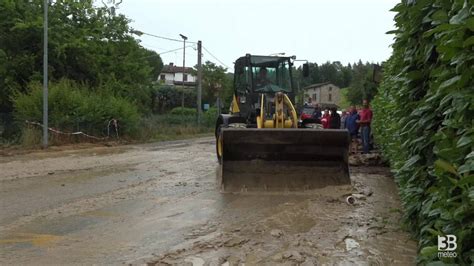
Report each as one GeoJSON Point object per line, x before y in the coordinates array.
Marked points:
{"type": "Point", "coordinates": [168, 97]}
{"type": "Point", "coordinates": [140, 95]}
{"type": "Point", "coordinates": [31, 137]}
{"type": "Point", "coordinates": [169, 127]}
{"type": "Point", "coordinates": [209, 117]}
{"type": "Point", "coordinates": [188, 116]}
{"type": "Point", "coordinates": [184, 111]}
{"type": "Point", "coordinates": [72, 107]}
{"type": "Point", "coordinates": [424, 122]}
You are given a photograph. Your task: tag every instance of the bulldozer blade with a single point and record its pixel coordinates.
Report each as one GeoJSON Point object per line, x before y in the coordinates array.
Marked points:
{"type": "Point", "coordinates": [283, 159]}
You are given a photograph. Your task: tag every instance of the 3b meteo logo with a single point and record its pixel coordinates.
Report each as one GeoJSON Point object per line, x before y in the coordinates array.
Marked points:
{"type": "Point", "coordinates": [447, 246]}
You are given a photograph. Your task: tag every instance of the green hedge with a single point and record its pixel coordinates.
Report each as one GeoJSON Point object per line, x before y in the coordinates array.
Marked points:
{"type": "Point", "coordinates": [183, 111]}
{"type": "Point", "coordinates": [73, 107]}
{"type": "Point", "coordinates": [168, 97]}
{"type": "Point", "coordinates": [180, 115]}
{"type": "Point", "coordinates": [210, 117]}
{"type": "Point", "coordinates": [424, 115]}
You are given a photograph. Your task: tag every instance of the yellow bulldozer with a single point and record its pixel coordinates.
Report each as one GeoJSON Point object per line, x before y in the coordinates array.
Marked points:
{"type": "Point", "coordinates": [261, 144]}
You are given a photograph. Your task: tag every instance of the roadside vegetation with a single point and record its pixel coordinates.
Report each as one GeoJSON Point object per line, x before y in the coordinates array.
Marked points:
{"type": "Point", "coordinates": [344, 103]}
{"type": "Point", "coordinates": [179, 123]}
{"type": "Point", "coordinates": [101, 80]}
{"type": "Point", "coordinates": [424, 123]}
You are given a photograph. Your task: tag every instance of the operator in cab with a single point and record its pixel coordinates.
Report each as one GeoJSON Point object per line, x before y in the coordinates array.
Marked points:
{"type": "Point", "coordinates": [262, 79]}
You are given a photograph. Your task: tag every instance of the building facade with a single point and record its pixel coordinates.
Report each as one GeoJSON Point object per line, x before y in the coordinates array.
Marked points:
{"type": "Point", "coordinates": [326, 94]}
{"type": "Point", "coordinates": [173, 75]}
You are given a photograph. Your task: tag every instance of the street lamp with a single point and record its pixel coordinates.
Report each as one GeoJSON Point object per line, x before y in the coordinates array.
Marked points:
{"type": "Point", "coordinates": [184, 64]}
{"type": "Point", "coordinates": [45, 74]}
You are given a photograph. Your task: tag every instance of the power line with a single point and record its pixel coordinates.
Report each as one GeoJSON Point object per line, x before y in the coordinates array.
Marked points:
{"type": "Point", "coordinates": [177, 49]}
{"type": "Point", "coordinates": [165, 52]}
{"type": "Point", "coordinates": [215, 57]}
{"type": "Point", "coordinates": [139, 33]}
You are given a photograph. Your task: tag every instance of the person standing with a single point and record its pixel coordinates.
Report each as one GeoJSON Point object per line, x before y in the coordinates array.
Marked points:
{"type": "Point", "coordinates": [364, 123]}
{"type": "Point", "coordinates": [335, 121]}
{"type": "Point", "coordinates": [353, 127]}
{"type": "Point", "coordinates": [343, 118]}
{"type": "Point", "coordinates": [325, 120]}
{"type": "Point", "coordinates": [317, 112]}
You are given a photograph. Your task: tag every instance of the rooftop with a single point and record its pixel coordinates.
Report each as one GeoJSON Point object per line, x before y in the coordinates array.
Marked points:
{"type": "Point", "coordinates": [171, 68]}
{"type": "Point", "coordinates": [317, 85]}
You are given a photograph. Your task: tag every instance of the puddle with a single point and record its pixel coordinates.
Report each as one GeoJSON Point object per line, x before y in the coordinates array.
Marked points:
{"type": "Point", "coordinates": [61, 225]}
{"type": "Point", "coordinates": [39, 240]}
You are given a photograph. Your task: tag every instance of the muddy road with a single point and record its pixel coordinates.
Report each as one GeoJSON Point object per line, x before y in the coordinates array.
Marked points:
{"type": "Point", "coordinates": [159, 203]}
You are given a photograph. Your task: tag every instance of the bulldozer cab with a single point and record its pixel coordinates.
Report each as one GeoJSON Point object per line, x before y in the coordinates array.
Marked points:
{"type": "Point", "coordinates": [263, 74]}
{"type": "Point", "coordinates": [256, 75]}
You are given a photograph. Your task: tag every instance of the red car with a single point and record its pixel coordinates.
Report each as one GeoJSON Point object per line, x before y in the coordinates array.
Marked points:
{"type": "Point", "coordinates": [308, 118]}
{"type": "Point", "coordinates": [307, 112]}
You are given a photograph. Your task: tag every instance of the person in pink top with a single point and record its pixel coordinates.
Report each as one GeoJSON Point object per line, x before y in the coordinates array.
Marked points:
{"type": "Point", "coordinates": [364, 123]}
{"type": "Point", "coordinates": [326, 119]}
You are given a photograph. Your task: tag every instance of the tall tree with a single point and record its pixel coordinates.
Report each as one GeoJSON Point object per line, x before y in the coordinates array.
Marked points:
{"type": "Point", "coordinates": [363, 84]}
{"type": "Point", "coordinates": [216, 83]}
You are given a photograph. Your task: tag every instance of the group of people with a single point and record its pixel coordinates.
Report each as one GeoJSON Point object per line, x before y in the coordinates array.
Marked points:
{"type": "Point", "coordinates": [357, 122]}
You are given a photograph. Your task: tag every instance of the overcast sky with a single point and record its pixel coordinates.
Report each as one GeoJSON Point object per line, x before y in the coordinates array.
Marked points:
{"type": "Point", "coordinates": [334, 30]}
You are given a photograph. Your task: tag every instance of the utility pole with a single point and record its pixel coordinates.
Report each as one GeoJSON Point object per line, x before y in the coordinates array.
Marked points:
{"type": "Point", "coordinates": [299, 93]}
{"type": "Point", "coordinates": [45, 75]}
{"type": "Point", "coordinates": [184, 65]}
{"type": "Point", "coordinates": [218, 100]}
{"type": "Point", "coordinates": [199, 82]}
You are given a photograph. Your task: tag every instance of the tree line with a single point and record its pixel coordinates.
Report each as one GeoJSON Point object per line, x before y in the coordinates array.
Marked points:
{"type": "Point", "coordinates": [360, 79]}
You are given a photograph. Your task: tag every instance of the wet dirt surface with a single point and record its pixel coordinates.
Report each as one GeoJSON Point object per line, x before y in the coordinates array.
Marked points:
{"type": "Point", "coordinates": [159, 203]}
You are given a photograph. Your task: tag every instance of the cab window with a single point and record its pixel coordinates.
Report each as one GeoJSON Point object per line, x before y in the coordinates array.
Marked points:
{"type": "Point", "coordinates": [242, 81]}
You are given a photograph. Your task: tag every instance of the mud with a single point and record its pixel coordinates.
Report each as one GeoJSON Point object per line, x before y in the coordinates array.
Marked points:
{"type": "Point", "coordinates": [160, 204]}
{"type": "Point", "coordinates": [307, 229]}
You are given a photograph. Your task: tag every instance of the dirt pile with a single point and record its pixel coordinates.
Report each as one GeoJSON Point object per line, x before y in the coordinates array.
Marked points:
{"type": "Point", "coordinates": [371, 159]}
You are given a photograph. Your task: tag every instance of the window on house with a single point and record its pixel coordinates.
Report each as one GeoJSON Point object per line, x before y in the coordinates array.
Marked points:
{"type": "Point", "coordinates": [314, 97]}
{"type": "Point", "coordinates": [162, 77]}
{"type": "Point", "coordinates": [185, 77]}
{"type": "Point", "coordinates": [330, 88]}
{"type": "Point", "coordinates": [330, 97]}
